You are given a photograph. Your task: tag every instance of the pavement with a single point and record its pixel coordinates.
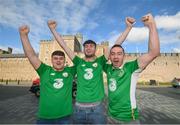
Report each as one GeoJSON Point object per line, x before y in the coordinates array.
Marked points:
{"type": "Point", "coordinates": [154, 108]}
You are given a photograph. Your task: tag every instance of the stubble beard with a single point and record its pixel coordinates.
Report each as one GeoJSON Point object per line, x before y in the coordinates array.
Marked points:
{"type": "Point", "coordinates": [89, 56]}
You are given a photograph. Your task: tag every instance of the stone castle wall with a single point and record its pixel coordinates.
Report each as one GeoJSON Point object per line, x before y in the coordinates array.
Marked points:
{"type": "Point", "coordinates": [17, 67]}
{"type": "Point", "coordinates": [163, 69]}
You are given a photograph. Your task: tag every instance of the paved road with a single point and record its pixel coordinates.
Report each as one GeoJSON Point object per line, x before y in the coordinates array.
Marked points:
{"type": "Point", "coordinates": [156, 105]}
{"type": "Point", "coordinates": [159, 105]}
{"type": "Point", "coordinates": [166, 91]}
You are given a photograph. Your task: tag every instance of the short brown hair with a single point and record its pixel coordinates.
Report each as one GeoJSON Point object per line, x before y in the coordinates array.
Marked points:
{"type": "Point", "coordinates": [89, 42]}
{"type": "Point", "coordinates": [116, 45]}
{"type": "Point", "coordinates": [58, 53]}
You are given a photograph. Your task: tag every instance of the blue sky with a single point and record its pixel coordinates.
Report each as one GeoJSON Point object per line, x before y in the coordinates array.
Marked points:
{"type": "Point", "coordinates": [99, 20]}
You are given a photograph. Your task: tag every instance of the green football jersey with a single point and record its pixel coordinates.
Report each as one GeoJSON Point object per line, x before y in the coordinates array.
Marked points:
{"type": "Point", "coordinates": [55, 92]}
{"type": "Point", "coordinates": [90, 87]}
{"type": "Point", "coordinates": [121, 91]}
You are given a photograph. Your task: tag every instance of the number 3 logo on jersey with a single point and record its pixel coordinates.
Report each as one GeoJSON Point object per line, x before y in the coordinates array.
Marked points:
{"type": "Point", "coordinates": [89, 73]}
{"type": "Point", "coordinates": [58, 83]}
{"type": "Point", "coordinates": [112, 85]}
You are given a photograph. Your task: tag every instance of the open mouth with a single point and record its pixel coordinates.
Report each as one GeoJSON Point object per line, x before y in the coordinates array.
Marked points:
{"type": "Point", "coordinates": [58, 64]}
{"type": "Point", "coordinates": [115, 61]}
{"type": "Point", "coordinates": [88, 51]}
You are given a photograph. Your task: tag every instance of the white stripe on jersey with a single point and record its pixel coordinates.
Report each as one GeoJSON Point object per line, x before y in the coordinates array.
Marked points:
{"type": "Point", "coordinates": [134, 78]}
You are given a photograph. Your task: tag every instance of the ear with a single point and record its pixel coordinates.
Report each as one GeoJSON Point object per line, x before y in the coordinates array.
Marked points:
{"type": "Point", "coordinates": [109, 57]}
{"type": "Point", "coordinates": [124, 56]}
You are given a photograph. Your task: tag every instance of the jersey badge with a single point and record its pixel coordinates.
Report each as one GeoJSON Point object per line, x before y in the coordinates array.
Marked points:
{"type": "Point", "coordinates": [95, 64]}
{"type": "Point", "coordinates": [65, 74]}
{"type": "Point", "coordinates": [58, 83]}
{"type": "Point", "coordinates": [112, 85]}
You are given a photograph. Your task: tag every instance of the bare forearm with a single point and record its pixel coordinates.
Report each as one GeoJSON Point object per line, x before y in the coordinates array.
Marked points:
{"type": "Point", "coordinates": [61, 42]}
{"type": "Point", "coordinates": [154, 46]}
{"type": "Point", "coordinates": [123, 36]}
{"type": "Point", "coordinates": [29, 51]}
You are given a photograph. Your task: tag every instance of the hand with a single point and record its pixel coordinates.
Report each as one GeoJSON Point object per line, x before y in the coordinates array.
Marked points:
{"type": "Point", "coordinates": [24, 30]}
{"type": "Point", "coordinates": [130, 21]}
{"type": "Point", "coordinates": [148, 20]}
{"type": "Point", "coordinates": [52, 24]}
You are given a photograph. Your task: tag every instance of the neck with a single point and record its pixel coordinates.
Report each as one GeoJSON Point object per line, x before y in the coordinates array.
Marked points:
{"type": "Point", "coordinates": [89, 59]}
{"type": "Point", "coordinates": [58, 69]}
{"type": "Point", "coordinates": [119, 66]}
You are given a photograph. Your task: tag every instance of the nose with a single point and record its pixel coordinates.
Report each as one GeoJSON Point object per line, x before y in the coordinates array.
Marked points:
{"type": "Point", "coordinates": [58, 60]}
{"type": "Point", "coordinates": [88, 47]}
{"type": "Point", "coordinates": [115, 56]}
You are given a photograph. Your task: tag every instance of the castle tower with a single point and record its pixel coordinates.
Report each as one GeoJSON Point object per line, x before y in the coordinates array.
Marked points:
{"type": "Point", "coordinates": [48, 46]}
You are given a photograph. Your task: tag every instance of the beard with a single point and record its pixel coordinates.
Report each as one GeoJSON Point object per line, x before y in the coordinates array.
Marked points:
{"type": "Point", "coordinates": [89, 56]}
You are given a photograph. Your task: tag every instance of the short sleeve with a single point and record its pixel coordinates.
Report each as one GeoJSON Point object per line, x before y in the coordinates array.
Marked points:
{"type": "Point", "coordinates": [42, 69]}
{"type": "Point", "coordinates": [133, 65]}
{"type": "Point", "coordinates": [105, 67]}
{"type": "Point", "coordinates": [76, 60]}
{"type": "Point", "coordinates": [73, 70]}
{"type": "Point", "coordinates": [103, 61]}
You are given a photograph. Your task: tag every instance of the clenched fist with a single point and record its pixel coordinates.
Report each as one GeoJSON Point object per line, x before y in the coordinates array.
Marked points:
{"type": "Point", "coordinates": [148, 20]}
{"type": "Point", "coordinates": [130, 21]}
{"type": "Point", "coordinates": [24, 30]}
{"type": "Point", "coordinates": [52, 24]}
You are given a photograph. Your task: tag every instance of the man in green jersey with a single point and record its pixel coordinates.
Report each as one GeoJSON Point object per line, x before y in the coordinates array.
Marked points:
{"type": "Point", "coordinates": [55, 104]}
{"type": "Point", "coordinates": [90, 87]}
{"type": "Point", "coordinates": [122, 77]}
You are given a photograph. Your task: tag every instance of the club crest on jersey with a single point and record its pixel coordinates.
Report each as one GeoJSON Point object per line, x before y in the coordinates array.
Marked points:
{"type": "Point", "coordinates": [112, 85]}
{"type": "Point", "coordinates": [89, 73]}
{"type": "Point", "coordinates": [65, 74]}
{"type": "Point", "coordinates": [52, 74]}
{"type": "Point", "coordinates": [83, 65]}
{"type": "Point", "coordinates": [58, 83]}
{"type": "Point", "coordinates": [95, 65]}
{"type": "Point", "coordinates": [121, 73]}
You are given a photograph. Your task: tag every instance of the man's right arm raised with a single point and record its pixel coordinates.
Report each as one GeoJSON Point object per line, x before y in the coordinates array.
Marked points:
{"type": "Point", "coordinates": [129, 24]}
{"type": "Point", "coordinates": [52, 25]}
{"type": "Point", "coordinates": [28, 50]}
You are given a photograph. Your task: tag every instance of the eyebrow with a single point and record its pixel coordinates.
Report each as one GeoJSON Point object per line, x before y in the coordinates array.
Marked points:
{"type": "Point", "coordinates": [58, 57]}
{"type": "Point", "coordinates": [116, 52]}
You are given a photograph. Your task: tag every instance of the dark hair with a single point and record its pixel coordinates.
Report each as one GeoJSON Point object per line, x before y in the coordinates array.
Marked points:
{"type": "Point", "coordinates": [58, 53]}
{"type": "Point", "coordinates": [116, 45]}
{"type": "Point", "coordinates": [89, 42]}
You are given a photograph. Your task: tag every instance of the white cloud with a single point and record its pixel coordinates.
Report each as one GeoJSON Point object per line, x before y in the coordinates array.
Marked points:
{"type": "Point", "coordinates": [176, 50]}
{"type": "Point", "coordinates": [169, 37]}
{"type": "Point", "coordinates": [136, 35]}
{"type": "Point", "coordinates": [15, 50]}
{"type": "Point", "coordinates": [4, 48]}
{"type": "Point", "coordinates": [168, 26]}
{"type": "Point", "coordinates": [168, 22]}
{"type": "Point", "coordinates": [70, 15]}
{"type": "Point", "coordinates": [112, 37]}
{"type": "Point", "coordinates": [140, 34]}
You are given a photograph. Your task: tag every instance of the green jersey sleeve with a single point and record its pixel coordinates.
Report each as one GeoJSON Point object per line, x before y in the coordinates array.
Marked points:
{"type": "Point", "coordinates": [103, 61]}
{"type": "Point", "coordinates": [73, 70]}
{"type": "Point", "coordinates": [76, 60]}
{"type": "Point", "coordinates": [133, 65]}
{"type": "Point", "coordinates": [42, 68]}
{"type": "Point", "coordinates": [106, 67]}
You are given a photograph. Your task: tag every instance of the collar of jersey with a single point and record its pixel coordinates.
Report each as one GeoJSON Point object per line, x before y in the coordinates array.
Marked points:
{"type": "Point", "coordinates": [90, 61]}
{"type": "Point", "coordinates": [58, 71]}
{"type": "Point", "coordinates": [121, 67]}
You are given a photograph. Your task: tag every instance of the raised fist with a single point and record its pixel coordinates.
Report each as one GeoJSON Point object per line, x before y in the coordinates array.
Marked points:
{"type": "Point", "coordinates": [148, 19]}
{"type": "Point", "coordinates": [24, 30]}
{"type": "Point", "coordinates": [52, 24]}
{"type": "Point", "coordinates": [130, 21]}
